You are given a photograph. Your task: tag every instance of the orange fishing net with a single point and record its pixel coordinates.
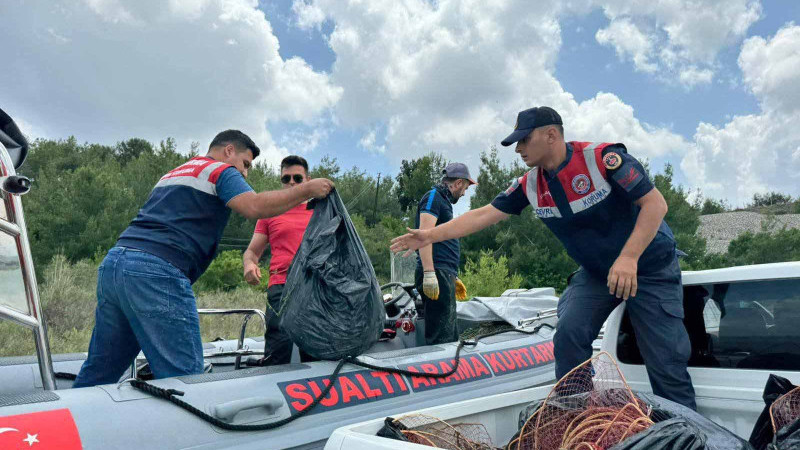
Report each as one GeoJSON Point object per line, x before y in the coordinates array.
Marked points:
{"type": "Point", "coordinates": [590, 408]}
{"type": "Point", "coordinates": [785, 410]}
{"type": "Point", "coordinates": [432, 432]}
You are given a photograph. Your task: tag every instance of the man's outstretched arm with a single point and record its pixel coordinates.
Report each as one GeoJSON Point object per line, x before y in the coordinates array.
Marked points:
{"type": "Point", "coordinates": [463, 225]}
{"type": "Point", "coordinates": [272, 203]}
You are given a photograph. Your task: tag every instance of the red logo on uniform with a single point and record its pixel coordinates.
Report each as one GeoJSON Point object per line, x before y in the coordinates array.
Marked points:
{"type": "Point", "coordinates": [628, 179]}
{"type": "Point", "coordinates": [47, 430]}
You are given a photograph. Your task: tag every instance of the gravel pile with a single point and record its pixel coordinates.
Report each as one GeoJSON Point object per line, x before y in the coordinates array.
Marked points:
{"type": "Point", "coordinates": [720, 229]}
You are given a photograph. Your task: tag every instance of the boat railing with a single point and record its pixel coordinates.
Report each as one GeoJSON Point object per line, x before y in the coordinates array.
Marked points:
{"type": "Point", "coordinates": [541, 315]}
{"type": "Point", "coordinates": [20, 302]}
{"type": "Point", "coordinates": [240, 348]}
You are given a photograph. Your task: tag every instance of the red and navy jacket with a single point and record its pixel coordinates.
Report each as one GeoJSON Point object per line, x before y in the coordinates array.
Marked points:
{"type": "Point", "coordinates": [588, 203]}
{"type": "Point", "coordinates": [183, 220]}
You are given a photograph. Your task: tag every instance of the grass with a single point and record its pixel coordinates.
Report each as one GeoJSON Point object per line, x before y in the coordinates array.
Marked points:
{"type": "Point", "coordinates": [67, 292]}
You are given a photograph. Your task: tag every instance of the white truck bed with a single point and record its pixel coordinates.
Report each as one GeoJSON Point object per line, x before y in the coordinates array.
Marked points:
{"type": "Point", "coordinates": [498, 413]}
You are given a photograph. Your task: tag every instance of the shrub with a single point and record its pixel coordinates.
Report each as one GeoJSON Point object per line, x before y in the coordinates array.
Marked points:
{"type": "Point", "coordinates": [488, 277]}
{"type": "Point", "coordinates": [68, 296]}
{"type": "Point", "coordinates": [226, 273]}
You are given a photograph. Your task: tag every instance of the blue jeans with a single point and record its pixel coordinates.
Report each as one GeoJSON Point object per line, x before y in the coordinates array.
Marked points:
{"type": "Point", "coordinates": [143, 303]}
{"type": "Point", "coordinates": [657, 317]}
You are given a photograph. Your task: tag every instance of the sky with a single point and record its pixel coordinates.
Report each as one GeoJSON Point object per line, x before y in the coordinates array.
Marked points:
{"type": "Point", "coordinates": [711, 87]}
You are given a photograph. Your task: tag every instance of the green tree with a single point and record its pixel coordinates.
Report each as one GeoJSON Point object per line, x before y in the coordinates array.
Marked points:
{"type": "Point", "coordinates": [79, 212]}
{"type": "Point", "coordinates": [376, 242]}
{"type": "Point", "coordinates": [488, 276]}
{"type": "Point", "coordinates": [132, 149]}
{"type": "Point", "coordinates": [416, 177]}
{"type": "Point", "coordinates": [493, 178]}
{"type": "Point", "coordinates": [770, 198]}
{"type": "Point", "coordinates": [682, 217]}
{"type": "Point", "coordinates": [764, 247]}
{"type": "Point", "coordinates": [226, 273]}
{"type": "Point", "coordinates": [712, 206]}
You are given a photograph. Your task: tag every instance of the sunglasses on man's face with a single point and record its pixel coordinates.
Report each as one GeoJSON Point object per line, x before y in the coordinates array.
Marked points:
{"type": "Point", "coordinates": [297, 178]}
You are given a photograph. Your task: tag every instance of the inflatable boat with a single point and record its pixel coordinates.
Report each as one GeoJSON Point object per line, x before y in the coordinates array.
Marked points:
{"type": "Point", "coordinates": [39, 408]}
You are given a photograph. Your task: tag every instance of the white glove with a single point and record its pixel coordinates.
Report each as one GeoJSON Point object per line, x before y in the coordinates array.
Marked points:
{"type": "Point", "coordinates": [430, 285]}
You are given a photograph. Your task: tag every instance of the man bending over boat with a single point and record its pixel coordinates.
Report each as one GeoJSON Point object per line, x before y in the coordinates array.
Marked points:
{"type": "Point", "coordinates": [283, 234]}
{"type": "Point", "coordinates": [601, 205]}
{"type": "Point", "coordinates": [144, 285]}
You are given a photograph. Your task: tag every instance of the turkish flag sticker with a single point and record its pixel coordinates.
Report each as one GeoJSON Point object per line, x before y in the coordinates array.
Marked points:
{"type": "Point", "coordinates": [47, 430]}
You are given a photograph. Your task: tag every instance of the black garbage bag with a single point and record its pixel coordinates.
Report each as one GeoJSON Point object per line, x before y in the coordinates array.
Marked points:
{"type": "Point", "coordinates": [393, 429]}
{"type": "Point", "coordinates": [332, 305]}
{"type": "Point", "coordinates": [714, 436]}
{"type": "Point", "coordinates": [673, 434]}
{"type": "Point", "coordinates": [787, 438]}
{"type": "Point", "coordinates": [762, 433]}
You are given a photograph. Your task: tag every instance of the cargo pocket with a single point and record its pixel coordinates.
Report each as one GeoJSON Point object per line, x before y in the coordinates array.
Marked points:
{"type": "Point", "coordinates": [148, 294]}
{"type": "Point", "coordinates": [681, 347]}
{"type": "Point", "coordinates": [674, 309]}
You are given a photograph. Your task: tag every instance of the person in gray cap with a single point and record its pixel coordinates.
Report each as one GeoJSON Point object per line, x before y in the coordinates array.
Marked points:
{"type": "Point", "coordinates": [599, 202]}
{"type": "Point", "coordinates": [437, 266]}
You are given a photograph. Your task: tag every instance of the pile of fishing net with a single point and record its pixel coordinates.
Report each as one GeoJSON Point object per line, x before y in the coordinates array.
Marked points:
{"type": "Point", "coordinates": [590, 408]}
{"type": "Point", "coordinates": [593, 408]}
{"type": "Point", "coordinates": [432, 432]}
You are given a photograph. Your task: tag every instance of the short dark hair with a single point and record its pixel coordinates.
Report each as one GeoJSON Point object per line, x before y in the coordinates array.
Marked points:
{"type": "Point", "coordinates": [294, 160]}
{"type": "Point", "coordinates": [239, 140]}
{"type": "Point", "coordinates": [447, 181]}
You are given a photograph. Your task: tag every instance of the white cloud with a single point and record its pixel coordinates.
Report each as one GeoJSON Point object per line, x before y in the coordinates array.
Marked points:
{"type": "Point", "coordinates": [605, 118]}
{"type": "Point", "coordinates": [367, 142]}
{"type": "Point", "coordinates": [308, 15]}
{"type": "Point", "coordinates": [303, 140]}
{"type": "Point", "coordinates": [772, 68]}
{"type": "Point", "coordinates": [691, 75]}
{"type": "Point", "coordinates": [759, 152]}
{"type": "Point", "coordinates": [629, 42]}
{"type": "Point", "coordinates": [689, 34]}
{"type": "Point", "coordinates": [107, 70]}
{"type": "Point", "coordinates": [450, 76]}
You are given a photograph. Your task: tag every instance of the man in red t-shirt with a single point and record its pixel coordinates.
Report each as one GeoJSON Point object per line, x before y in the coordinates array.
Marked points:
{"type": "Point", "coordinates": [283, 233]}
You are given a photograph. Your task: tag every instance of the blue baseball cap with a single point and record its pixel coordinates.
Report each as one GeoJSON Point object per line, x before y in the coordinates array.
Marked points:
{"type": "Point", "coordinates": [529, 119]}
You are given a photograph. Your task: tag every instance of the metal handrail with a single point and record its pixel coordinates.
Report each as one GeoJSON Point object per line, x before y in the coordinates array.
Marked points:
{"type": "Point", "coordinates": [240, 351]}
{"type": "Point", "coordinates": [541, 315]}
{"type": "Point", "coordinates": [14, 226]}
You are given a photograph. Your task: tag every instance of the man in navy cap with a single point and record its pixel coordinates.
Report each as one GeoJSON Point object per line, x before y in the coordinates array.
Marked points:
{"type": "Point", "coordinates": [601, 205]}
{"type": "Point", "coordinates": [437, 266]}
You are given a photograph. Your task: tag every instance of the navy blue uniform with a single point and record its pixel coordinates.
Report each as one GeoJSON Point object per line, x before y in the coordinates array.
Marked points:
{"type": "Point", "coordinates": [440, 314]}
{"type": "Point", "coordinates": [183, 220]}
{"type": "Point", "coordinates": [588, 203]}
{"type": "Point", "coordinates": [446, 254]}
{"type": "Point", "coordinates": [144, 284]}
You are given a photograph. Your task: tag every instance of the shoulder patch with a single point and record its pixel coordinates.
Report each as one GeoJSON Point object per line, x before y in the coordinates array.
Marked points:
{"type": "Point", "coordinates": [611, 161]}
{"type": "Point", "coordinates": [513, 187]}
{"type": "Point", "coordinates": [628, 179]}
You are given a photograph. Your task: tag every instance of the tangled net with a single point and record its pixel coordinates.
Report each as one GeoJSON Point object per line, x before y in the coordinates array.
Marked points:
{"type": "Point", "coordinates": [432, 432]}
{"type": "Point", "coordinates": [785, 410]}
{"type": "Point", "coordinates": [485, 328]}
{"type": "Point", "coordinates": [590, 408]}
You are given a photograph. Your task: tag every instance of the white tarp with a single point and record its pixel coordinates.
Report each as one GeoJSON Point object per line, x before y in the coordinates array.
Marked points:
{"type": "Point", "coordinates": [514, 305]}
